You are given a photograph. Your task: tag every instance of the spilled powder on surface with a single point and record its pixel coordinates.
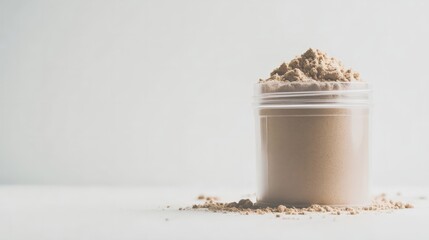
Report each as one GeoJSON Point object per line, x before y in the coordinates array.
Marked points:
{"type": "Point", "coordinates": [247, 207]}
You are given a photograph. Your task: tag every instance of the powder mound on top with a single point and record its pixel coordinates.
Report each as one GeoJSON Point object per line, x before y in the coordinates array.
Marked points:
{"type": "Point", "coordinates": [314, 70]}
{"type": "Point", "coordinates": [313, 65]}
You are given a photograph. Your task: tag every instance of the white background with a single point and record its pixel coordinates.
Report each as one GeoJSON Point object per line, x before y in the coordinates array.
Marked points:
{"type": "Point", "coordinates": [159, 92]}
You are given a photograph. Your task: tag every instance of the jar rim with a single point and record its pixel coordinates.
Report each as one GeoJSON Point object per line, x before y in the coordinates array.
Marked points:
{"type": "Point", "coordinates": [321, 94]}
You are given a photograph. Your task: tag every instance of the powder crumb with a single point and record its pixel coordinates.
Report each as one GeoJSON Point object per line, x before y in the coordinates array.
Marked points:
{"type": "Point", "coordinates": [245, 203]}
{"type": "Point", "coordinates": [281, 208]}
{"type": "Point", "coordinates": [207, 198]}
{"type": "Point", "coordinates": [409, 205]}
{"type": "Point", "coordinates": [246, 207]}
{"type": "Point", "coordinates": [353, 212]}
{"type": "Point", "coordinates": [201, 197]}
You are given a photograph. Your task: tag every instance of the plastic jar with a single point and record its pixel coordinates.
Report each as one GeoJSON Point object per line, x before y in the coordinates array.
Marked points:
{"type": "Point", "coordinates": [313, 143]}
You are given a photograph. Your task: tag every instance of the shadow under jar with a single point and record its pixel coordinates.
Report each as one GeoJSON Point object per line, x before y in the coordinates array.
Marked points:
{"type": "Point", "coordinates": [313, 144]}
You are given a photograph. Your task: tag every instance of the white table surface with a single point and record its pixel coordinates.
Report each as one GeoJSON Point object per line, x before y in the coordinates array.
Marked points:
{"type": "Point", "coordinates": [58, 212]}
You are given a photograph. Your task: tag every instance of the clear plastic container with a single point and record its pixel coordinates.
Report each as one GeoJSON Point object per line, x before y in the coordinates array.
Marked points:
{"type": "Point", "coordinates": [313, 143]}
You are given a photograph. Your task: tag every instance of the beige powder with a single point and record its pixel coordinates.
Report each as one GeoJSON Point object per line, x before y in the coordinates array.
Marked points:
{"type": "Point", "coordinates": [312, 155]}
{"type": "Point", "coordinates": [314, 70]}
{"type": "Point", "coordinates": [313, 65]}
{"type": "Point", "coordinates": [246, 207]}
